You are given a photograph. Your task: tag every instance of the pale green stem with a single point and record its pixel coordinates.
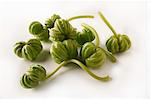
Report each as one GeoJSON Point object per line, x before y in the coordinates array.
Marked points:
{"type": "Point", "coordinates": [94, 32]}
{"type": "Point", "coordinates": [79, 17]}
{"type": "Point", "coordinates": [107, 23]}
{"type": "Point", "coordinates": [110, 56]}
{"type": "Point", "coordinates": [61, 65]}
{"type": "Point", "coordinates": [104, 78]}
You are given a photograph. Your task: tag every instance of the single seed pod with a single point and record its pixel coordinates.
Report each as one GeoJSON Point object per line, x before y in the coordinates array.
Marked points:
{"type": "Point", "coordinates": [62, 51]}
{"type": "Point", "coordinates": [33, 76]}
{"type": "Point", "coordinates": [28, 50]}
{"type": "Point", "coordinates": [92, 56]}
{"type": "Point", "coordinates": [62, 30]}
{"type": "Point", "coordinates": [35, 28]}
{"type": "Point", "coordinates": [116, 43]}
{"type": "Point", "coordinates": [50, 21]}
{"type": "Point", "coordinates": [85, 36]}
{"type": "Point", "coordinates": [71, 47]}
{"type": "Point", "coordinates": [40, 32]}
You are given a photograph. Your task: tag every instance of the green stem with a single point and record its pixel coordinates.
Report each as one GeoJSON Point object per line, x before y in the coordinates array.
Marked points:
{"type": "Point", "coordinates": [94, 32]}
{"type": "Point", "coordinates": [110, 56]}
{"type": "Point", "coordinates": [104, 78]}
{"type": "Point", "coordinates": [61, 65]}
{"type": "Point", "coordinates": [107, 23]}
{"type": "Point", "coordinates": [81, 16]}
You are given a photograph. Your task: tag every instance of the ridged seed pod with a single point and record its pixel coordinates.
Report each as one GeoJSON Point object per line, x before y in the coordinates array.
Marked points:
{"type": "Point", "coordinates": [28, 50]}
{"type": "Point", "coordinates": [33, 76]}
{"type": "Point", "coordinates": [40, 32]}
{"type": "Point", "coordinates": [85, 36]}
{"type": "Point", "coordinates": [92, 56]}
{"type": "Point", "coordinates": [50, 21]}
{"type": "Point", "coordinates": [62, 30]}
{"type": "Point", "coordinates": [118, 42]}
{"type": "Point", "coordinates": [62, 51]}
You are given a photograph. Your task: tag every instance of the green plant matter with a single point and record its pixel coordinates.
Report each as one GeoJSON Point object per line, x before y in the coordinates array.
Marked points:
{"type": "Point", "coordinates": [67, 51]}
{"type": "Point", "coordinates": [62, 30]}
{"type": "Point", "coordinates": [118, 42]}
{"type": "Point", "coordinates": [68, 46]}
{"type": "Point", "coordinates": [92, 56]}
{"type": "Point", "coordinates": [28, 50]}
{"type": "Point", "coordinates": [95, 48]}
{"type": "Point", "coordinates": [49, 23]}
{"type": "Point", "coordinates": [85, 36]}
{"type": "Point", "coordinates": [41, 32]}
{"type": "Point", "coordinates": [33, 76]}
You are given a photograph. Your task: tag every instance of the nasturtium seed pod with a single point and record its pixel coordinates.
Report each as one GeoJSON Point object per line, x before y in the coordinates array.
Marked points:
{"type": "Point", "coordinates": [18, 48]}
{"type": "Point", "coordinates": [39, 31]}
{"type": "Point", "coordinates": [92, 56]}
{"type": "Point", "coordinates": [62, 30]}
{"type": "Point", "coordinates": [58, 52]}
{"type": "Point", "coordinates": [62, 51]}
{"type": "Point", "coordinates": [50, 21]}
{"type": "Point", "coordinates": [118, 42]}
{"type": "Point", "coordinates": [85, 36]}
{"type": "Point", "coordinates": [28, 50]}
{"type": "Point", "coordinates": [35, 27]}
{"type": "Point", "coordinates": [71, 47]}
{"type": "Point", "coordinates": [33, 76]}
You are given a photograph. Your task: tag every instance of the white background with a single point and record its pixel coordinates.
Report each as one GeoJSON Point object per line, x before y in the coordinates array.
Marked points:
{"type": "Point", "coordinates": [130, 73]}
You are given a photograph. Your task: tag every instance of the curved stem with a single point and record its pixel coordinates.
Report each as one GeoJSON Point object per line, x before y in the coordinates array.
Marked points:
{"type": "Point", "coordinates": [104, 78]}
{"type": "Point", "coordinates": [110, 56]}
{"type": "Point", "coordinates": [81, 16]}
{"type": "Point", "coordinates": [94, 32]}
{"type": "Point", "coordinates": [107, 23]}
{"type": "Point", "coordinates": [61, 65]}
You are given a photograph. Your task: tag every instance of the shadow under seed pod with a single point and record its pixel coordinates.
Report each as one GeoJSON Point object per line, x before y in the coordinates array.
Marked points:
{"type": "Point", "coordinates": [47, 41]}
{"type": "Point", "coordinates": [43, 56]}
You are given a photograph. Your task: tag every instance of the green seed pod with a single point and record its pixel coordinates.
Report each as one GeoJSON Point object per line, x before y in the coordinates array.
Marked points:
{"type": "Point", "coordinates": [40, 32]}
{"type": "Point", "coordinates": [62, 30]}
{"type": "Point", "coordinates": [28, 50]}
{"type": "Point", "coordinates": [35, 28]}
{"type": "Point", "coordinates": [92, 56]}
{"type": "Point", "coordinates": [85, 36]}
{"type": "Point", "coordinates": [18, 48]}
{"type": "Point", "coordinates": [71, 47]}
{"type": "Point", "coordinates": [50, 21]}
{"type": "Point", "coordinates": [116, 43]}
{"type": "Point", "coordinates": [33, 76]}
{"type": "Point", "coordinates": [62, 51]}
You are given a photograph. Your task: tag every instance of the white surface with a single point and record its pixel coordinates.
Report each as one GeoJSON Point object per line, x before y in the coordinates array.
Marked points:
{"type": "Point", "coordinates": [129, 73]}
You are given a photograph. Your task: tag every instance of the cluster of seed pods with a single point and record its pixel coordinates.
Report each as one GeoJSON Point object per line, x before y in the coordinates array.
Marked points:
{"type": "Point", "coordinates": [68, 45]}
